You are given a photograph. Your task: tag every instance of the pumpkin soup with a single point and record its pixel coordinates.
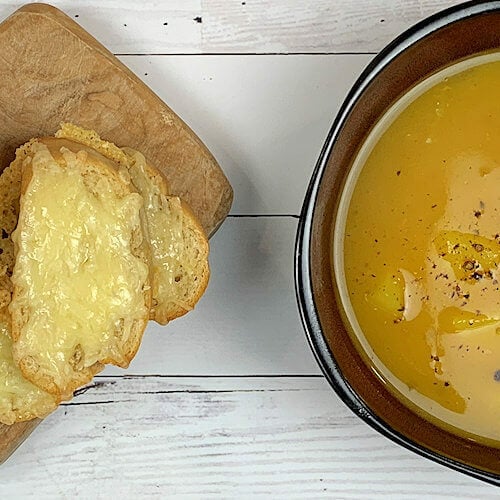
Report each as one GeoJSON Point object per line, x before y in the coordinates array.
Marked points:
{"type": "Point", "coordinates": [417, 249]}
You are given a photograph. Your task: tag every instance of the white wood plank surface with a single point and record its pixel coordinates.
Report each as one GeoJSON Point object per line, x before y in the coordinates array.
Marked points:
{"type": "Point", "coordinates": [312, 26]}
{"type": "Point", "coordinates": [265, 118]}
{"type": "Point", "coordinates": [252, 26]}
{"type": "Point", "coordinates": [220, 438]}
{"type": "Point", "coordinates": [247, 322]}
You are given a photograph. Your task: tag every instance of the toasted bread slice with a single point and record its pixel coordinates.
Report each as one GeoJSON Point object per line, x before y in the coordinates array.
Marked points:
{"type": "Point", "coordinates": [180, 277]}
{"type": "Point", "coordinates": [178, 244]}
{"type": "Point", "coordinates": [81, 279]}
{"type": "Point", "coordinates": [179, 247]}
{"type": "Point", "coordinates": [20, 400]}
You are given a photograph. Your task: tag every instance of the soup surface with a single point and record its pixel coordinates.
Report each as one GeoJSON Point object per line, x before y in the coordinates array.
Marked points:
{"type": "Point", "coordinates": [421, 248]}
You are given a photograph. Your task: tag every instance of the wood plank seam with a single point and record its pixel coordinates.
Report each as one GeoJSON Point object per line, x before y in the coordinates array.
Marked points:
{"type": "Point", "coordinates": [240, 54]}
{"type": "Point", "coordinates": [263, 216]}
{"type": "Point", "coordinates": [127, 376]}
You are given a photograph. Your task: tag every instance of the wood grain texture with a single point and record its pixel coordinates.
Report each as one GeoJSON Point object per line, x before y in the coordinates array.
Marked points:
{"type": "Point", "coordinates": [11, 436]}
{"type": "Point", "coordinates": [254, 26]}
{"type": "Point", "coordinates": [54, 71]}
{"type": "Point", "coordinates": [220, 438]}
{"type": "Point", "coordinates": [291, 26]}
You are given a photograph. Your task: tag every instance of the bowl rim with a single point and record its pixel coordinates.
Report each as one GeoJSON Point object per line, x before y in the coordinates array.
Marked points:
{"type": "Point", "coordinates": [303, 272]}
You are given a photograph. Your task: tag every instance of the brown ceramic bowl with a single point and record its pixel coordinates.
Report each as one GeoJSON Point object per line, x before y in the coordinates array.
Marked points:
{"type": "Point", "coordinates": [437, 42]}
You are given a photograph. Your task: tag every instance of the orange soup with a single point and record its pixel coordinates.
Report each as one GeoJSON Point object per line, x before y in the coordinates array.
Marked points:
{"type": "Point", "coordinates": [417, 249]}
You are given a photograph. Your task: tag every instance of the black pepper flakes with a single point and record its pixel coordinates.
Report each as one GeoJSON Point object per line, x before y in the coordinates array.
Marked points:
{"type": "Point", "coordinates": [469, 265]}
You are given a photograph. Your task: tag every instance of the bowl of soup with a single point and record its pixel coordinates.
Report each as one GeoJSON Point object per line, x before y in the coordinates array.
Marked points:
{"type": "Point", "coordinates": [398, 246]}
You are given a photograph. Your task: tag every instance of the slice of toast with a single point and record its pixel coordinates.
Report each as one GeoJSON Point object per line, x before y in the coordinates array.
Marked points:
{"type": "Point", "coordinates": [20, 400]}
{"type": "Point", "coordinates": [178, 245]}
{"type": "Point", "coordinates": [81, 278]}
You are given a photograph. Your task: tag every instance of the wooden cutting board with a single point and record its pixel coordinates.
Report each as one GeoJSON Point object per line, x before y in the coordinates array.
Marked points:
{"type": "Point", "coordinates": [51, 71]}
